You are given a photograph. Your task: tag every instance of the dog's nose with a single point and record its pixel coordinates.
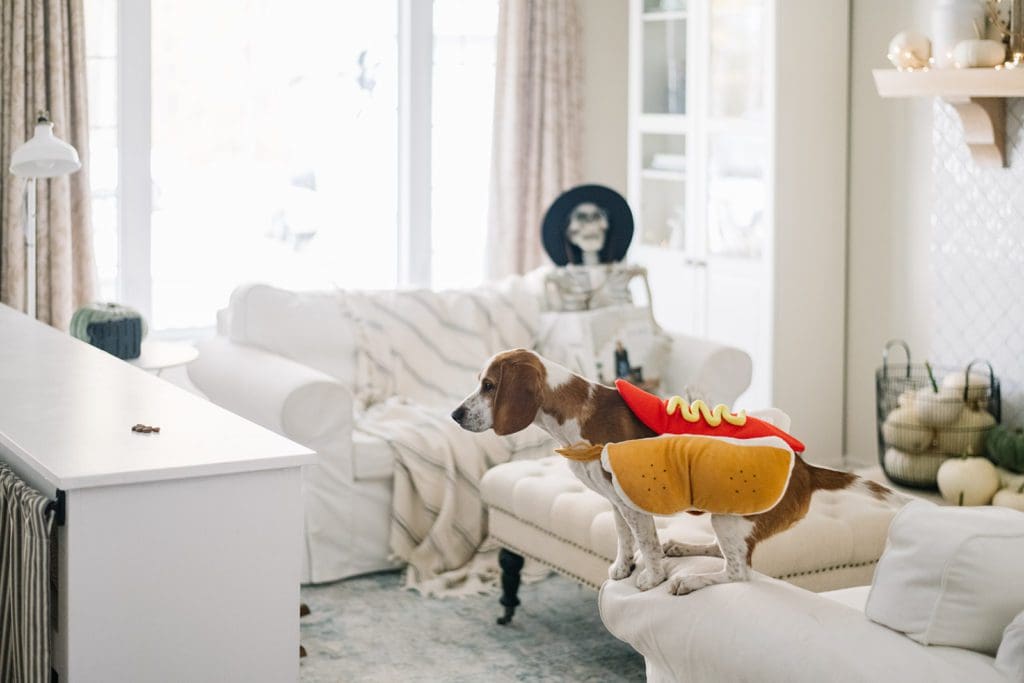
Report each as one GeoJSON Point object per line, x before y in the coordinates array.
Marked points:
{"type": "Point", "coordinates": [459, 414]}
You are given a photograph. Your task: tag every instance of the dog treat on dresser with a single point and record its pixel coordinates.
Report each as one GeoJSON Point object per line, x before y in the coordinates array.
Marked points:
{"type": "Point", "coordinates": [145, 429]}
{"type": "Point", "coordinates": [673, 416]}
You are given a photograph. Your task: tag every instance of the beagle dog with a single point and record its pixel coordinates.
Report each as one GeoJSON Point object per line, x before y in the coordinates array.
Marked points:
{"type": "Point", "coordinates": [519, 388]}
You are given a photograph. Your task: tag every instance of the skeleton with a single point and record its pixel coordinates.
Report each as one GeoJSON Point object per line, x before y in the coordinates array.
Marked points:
{"type": "Point", "coordinates": [588, 225]}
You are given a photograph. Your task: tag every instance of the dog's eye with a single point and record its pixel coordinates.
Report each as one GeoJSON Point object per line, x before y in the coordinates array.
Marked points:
{"type": "Point", "coordinates": [487, 385]}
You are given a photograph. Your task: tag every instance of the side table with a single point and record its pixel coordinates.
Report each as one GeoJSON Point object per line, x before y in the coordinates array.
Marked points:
{"type": "Point", "coordinates": [158, 356]}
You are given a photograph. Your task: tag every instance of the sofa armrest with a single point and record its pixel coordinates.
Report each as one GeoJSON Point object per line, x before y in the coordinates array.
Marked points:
{"type": "Point", "coordinates": [275, 392]}
{"type": "Point", "coordinates": [721, 372]}
{"type": "Point", "coordinates": [800, 636]}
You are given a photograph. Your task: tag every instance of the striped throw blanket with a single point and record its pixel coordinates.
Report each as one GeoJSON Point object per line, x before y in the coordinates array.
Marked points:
{"type": "Point", "coordinates": [418, 356]}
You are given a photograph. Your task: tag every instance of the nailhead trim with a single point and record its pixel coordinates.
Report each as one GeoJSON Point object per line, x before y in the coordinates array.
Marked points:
{"type": "Point", "coordinates": [850, 565]}
{"type": "Point", "coordinates": [560, 570]}
{"type": "Point", "coordinates": [822, 570]}
{"type": "Point", "coordinates": [527, 522]}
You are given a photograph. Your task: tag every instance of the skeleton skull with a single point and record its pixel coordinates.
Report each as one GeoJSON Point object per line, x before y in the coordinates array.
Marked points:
{"type": "Point", "coordinates": [588, 224]}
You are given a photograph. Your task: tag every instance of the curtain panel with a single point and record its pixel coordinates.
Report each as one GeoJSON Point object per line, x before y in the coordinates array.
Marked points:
{"type": "Point", "coordinates": [42, 66]}
{"type": "Point", "coordinates": [537, 126]}
{"type": "Point", "coordinates": [26, 528]}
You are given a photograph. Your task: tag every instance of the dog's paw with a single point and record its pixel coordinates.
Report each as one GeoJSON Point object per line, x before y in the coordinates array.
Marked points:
{"type": "Point", "coordinates": [685, 584]}
{"type": "Point", "coordinates": [621, 570]}
{"type": "Point", "coordinates": [680, 585]}
{"type": "Point", "coordinates": [650, 577]}
{"type": "Point", "coordinates": [677, 549]}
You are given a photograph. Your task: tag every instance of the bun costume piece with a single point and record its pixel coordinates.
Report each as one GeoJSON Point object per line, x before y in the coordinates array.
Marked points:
{"type": "Point", "coordinates": [706, 460]}
{"type": "Point", "coordinates": [666, 475]}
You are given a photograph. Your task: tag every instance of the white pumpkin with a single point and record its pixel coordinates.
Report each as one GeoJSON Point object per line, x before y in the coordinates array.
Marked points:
{"type": "Point", "coordinates": [967, 434]}
{"type": "Point", "coordinates": [977, 385]}
{"type": "Point", "coordinates": [902, 430]}
{"type": "Point", "coordinates": [968, 481]}
{"type": "Point", "coordinates": [909, 50]}
{"type": "Point", "coordinates": [913, 468]}
{"type": "Point", "coordinates": [970, 54]}
{"type": "Point", "coordinates": [1010, 498]}
{"type": "Point", "coordinates": [937, 409]}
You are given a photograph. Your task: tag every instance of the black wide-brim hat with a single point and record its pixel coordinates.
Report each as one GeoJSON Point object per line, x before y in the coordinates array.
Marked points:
{"type": "Point", "coordinates": [556, 220]}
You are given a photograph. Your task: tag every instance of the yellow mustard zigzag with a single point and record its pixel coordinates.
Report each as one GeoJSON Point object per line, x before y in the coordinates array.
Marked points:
{"type": "Point", "coordinates": [692, 412]}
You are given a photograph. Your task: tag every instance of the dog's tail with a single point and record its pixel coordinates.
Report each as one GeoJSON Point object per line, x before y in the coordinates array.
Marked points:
{"type": "Point", "coordinates": [827, 479]}
{"type": "Point", "coordinates": [581, 451]}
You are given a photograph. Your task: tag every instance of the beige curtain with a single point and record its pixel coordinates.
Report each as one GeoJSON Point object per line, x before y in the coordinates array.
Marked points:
{"type": "Point", "coordinates": [537, 126]}
{"type": "Point", "coordinates": [42, 66]}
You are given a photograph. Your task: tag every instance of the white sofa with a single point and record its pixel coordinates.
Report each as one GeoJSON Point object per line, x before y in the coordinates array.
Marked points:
{"type": "Point", "coordinates": [945, 604]}
{"type": "Point", "coordinates": [287, 361]}
{"type": "Point", "coordinates": [768, 630]}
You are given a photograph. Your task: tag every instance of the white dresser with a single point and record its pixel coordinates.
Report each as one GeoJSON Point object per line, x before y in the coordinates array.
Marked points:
{"type": "Point", "coordinates": [180, 552]}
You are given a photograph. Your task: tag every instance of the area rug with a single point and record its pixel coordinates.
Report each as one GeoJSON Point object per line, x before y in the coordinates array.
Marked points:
{"type": "Point", "coordinates": [369, 629]}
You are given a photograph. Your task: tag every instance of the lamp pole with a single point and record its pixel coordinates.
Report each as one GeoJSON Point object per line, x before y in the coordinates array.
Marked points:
{"type": "Point", "coordinates": [30, 247]}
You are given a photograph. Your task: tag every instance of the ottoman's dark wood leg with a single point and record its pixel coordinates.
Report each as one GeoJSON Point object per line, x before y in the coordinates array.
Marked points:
{"type": "Point", "coordinates": [511, 565]}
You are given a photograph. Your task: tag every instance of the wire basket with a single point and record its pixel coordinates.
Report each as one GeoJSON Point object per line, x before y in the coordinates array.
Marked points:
{"type": "Point", "coordinates": [919, 428]}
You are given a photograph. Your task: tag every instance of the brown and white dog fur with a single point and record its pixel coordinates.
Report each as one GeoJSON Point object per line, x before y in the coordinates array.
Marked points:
{"type": "Point", "coordinates": [519, 388]}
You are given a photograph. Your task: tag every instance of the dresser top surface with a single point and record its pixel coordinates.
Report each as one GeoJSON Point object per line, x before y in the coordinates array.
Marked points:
{"type": "Point", "coordinates": [67, 409]}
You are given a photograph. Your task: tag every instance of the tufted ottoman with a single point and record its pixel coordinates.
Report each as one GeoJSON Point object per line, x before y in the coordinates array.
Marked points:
{"type": "Point", "coordinates": [538, 509]}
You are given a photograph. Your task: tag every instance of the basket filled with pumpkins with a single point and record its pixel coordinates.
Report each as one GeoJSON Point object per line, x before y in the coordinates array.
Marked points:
{"type": "Point", "coordinates": [927, 415]}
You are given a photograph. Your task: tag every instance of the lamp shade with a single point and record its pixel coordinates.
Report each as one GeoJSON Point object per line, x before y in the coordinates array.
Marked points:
{"type": "Point", "coordinates": [44, 155]}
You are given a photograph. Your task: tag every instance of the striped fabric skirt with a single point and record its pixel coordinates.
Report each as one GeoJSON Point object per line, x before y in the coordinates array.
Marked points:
{"type": "Point", "coordinates": [26, 528]}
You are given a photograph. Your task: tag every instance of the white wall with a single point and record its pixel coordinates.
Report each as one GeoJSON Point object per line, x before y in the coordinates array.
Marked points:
{"type": "Point", "coordinates": [977, 249]}
{"type": "Point", "coordinates": [605, 88]}
{"type": "Point", "coordinates": [809, 220]}
{"type": "Point", "coordinates": [889, 207]}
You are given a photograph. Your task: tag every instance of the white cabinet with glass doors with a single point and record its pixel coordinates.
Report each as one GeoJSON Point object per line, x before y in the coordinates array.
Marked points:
{"type": "Point", "coordinates": [699, 159]}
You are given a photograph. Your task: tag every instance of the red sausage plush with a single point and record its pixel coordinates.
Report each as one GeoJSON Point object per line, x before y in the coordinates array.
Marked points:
{"type": "Point", "coordinates": [653, 412]}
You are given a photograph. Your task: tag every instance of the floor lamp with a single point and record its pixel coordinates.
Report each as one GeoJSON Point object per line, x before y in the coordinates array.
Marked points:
{"type": "Point", "coordinates": [43, 156]}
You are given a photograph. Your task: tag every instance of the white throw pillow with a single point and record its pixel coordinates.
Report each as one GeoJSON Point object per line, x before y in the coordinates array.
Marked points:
{"type": "Point", "coordinates": [950, 575]}
{"type": "Point", "coordinates": [1010, 658]}
{"type": "Point", "coordinates": [312, 328]}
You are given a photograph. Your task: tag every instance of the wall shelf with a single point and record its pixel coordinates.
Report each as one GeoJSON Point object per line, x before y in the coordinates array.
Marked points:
{"type": "Point", "coordinates": [978, 95]}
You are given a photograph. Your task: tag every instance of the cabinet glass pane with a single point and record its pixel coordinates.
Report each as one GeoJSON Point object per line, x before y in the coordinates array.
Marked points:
{"type": "Point", "coordinates": [655, 6]}
{"type": "Point", "coordinates": [664, 84]}
{"type": "Point", "coordinates": [663, 191]}
{"type": "Point", "coordinates": [736, 193]}
{"type": "Point", "coordinates": [737, 59]}
{"type": "Point", "coordinates": [664, 154]}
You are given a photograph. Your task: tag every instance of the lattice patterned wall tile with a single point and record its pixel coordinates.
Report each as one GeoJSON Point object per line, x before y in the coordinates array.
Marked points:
{"type": "Point", "coordinates": [977, 256]}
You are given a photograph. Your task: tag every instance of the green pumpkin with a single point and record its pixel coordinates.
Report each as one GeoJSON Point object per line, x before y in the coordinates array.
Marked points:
{"type": "Point", "coordinates": [114, 328]}
{"type": "Point", "coordinates": [1006, 448]}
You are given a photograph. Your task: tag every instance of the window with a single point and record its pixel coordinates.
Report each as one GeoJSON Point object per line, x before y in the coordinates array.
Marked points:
{"type": "Point", "coordinates": [101, 66]}
{"type": "Point", "coordinates": [284, 139]}
{"type": "Point", "coordinates": [463, 103]}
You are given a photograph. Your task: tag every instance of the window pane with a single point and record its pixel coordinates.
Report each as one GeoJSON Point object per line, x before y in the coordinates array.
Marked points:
{"type": "Point", "coordinates": [102, 75]}
{"type": "Point", "coordinates": [101, 66]}
{"type": "Point", "coordinates": [101, 28]}
{"type": "Point", "coordinates": [104, 228]}
{"type": "Point", "coordinates": [274, 149]}
{"type": "Point", "coordinates": [463, 103]}
{"type": "Point", "coordinates": [102, 159]}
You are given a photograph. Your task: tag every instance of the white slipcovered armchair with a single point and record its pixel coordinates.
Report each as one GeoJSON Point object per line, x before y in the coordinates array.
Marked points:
{"type": "Point", "coordinates": [291, 361]}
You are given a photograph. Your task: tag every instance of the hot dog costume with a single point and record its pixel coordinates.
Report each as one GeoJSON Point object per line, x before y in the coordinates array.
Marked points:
{"type": "Point", "coordinates": [706, 460]}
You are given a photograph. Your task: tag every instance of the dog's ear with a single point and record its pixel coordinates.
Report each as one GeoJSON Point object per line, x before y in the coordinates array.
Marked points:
{"type": "Point", "coordinates": [581, 451]}
{"type": "Point", "coordinates": [517, 397]}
